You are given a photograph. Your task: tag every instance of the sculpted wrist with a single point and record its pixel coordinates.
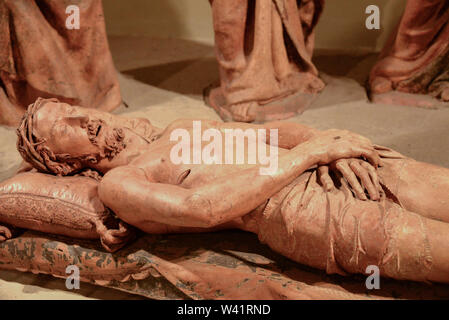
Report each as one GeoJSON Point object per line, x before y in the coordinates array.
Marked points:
{"type": "Point", "coordinates": [307, 153]}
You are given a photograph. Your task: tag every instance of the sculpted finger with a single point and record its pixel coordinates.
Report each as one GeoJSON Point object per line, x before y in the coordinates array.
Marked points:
{"type": "Point", "coordinates": [364, 176]}
{"type": "Point", "coordinates": [110, 238]}
{"type": "Point", "coordinates": [368, 153]}
{"type": "Point", "coordinates": [123, 231]}
{"type": "Point", "coordinates": [325, 179]}
{"type": "Point", "coordinates": [379, 147]}
{"type": "Point", "coordinates": [343, 167]}
{"type": "Point", "coordinates": [373, 174]}
{"type": "Point", "coordinates": [6, 232]}
{"type": "Point", "coordinates": [373, 157]}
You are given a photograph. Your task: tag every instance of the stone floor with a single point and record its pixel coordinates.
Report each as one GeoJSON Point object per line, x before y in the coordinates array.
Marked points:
{"type": "Point", "coordinates": [163, 80]}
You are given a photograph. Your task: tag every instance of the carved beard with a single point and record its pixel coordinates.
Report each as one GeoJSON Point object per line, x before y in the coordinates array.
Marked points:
{"type": "Point", "coordinates": [113, 143]}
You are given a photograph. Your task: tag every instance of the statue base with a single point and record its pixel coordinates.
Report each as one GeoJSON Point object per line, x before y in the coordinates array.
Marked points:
{"type": "Point", "coordinates": [256, 111]}
{"type": "Point", "coordinates": [408, 99]}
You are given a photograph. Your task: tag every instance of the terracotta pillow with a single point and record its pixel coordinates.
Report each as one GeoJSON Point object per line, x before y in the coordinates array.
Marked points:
{"type": "Point", "coordinates": [67, 206]}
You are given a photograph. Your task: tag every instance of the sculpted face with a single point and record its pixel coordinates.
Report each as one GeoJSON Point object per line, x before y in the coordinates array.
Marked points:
{"type": "Point", "coordinates": [73, 130]}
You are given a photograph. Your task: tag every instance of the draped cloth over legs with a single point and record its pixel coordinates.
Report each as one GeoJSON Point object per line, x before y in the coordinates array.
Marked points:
{"type": "Point", "coordinates": [41, 57]}
{"type": "Point", "coordinates": [264, 51]}
{"type": "Point", "coordinates": [335, 232]}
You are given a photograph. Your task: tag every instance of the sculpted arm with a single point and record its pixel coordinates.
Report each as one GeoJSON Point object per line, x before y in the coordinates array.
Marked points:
{"type": "Point", "coordinates": [135, 199]}
{"type": "Point", "coordinates": [290, 134]}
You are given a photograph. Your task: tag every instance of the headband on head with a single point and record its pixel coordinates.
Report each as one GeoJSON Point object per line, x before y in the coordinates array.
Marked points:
{"type": "Point", "coordinates": [32, 149]}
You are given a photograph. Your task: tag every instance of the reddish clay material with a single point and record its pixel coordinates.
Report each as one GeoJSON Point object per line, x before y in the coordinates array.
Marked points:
{"type": "Point", "coordinates": [264, 51]}
{"type": "Point", "coordinates": [40, 57]}
{"type": "Point", "coordinates": [329, 205]}
{"type": "Point", "coordinates": [224, 265]}
{"type": "Point", "coordinates": [415, 60]}
{"type": "Point", "coordinates": [67, 206]}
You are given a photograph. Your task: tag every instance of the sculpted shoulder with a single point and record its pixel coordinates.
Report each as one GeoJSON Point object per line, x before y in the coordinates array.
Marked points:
{"type": "Point", "coordinates": [178, 124]}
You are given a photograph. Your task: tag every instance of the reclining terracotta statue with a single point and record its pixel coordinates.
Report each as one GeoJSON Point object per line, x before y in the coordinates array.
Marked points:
{"type": "Point", "coordinates": [337, 202]}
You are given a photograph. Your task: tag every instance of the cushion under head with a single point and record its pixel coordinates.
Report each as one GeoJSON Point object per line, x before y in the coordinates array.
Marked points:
{"type": "Point", "coordinates": [67, 206]}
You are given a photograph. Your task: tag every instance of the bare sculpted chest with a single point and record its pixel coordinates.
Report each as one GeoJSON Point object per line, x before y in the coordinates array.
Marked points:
{"type": "Point", "coordinates": [200, 152]}
{"type": "Point", "coordinates": [195, 156]}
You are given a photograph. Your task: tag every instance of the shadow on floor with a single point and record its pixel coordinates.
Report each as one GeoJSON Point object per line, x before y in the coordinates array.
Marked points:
{"type": "Point", "coordinates": [187, 67]}
{"type": "Point", "coordinates": [187, 77]}
{"type": "Point", "coordinates": [338, 64]}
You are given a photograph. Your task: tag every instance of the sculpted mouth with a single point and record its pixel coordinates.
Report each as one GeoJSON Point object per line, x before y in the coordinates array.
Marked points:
{"type": "Point", "coordinates": [110, 141]}
{"type": "Point", "coordinates": [94, 130]}
{"type": "Point", "coordinates": [98, 131]}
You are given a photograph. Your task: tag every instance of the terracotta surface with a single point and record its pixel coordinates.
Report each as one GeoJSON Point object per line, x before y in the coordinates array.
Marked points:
{"type": "Point", "coordinates": [415, 60]}
{"type": "Point", "coordinates": [415, 132]}
{"type": "Point", "coordinates": [40, 57]}
{"type": "Point", "coordinates": [177, 71]}
{"type": "Point", "coordinates": [222, 265]}
{"type": "Point", "coordinates": [315, 217]}
{"type": "Point", "coordinates": [264, 51]}
{"type": "Point", "coordinates": [69, 206]}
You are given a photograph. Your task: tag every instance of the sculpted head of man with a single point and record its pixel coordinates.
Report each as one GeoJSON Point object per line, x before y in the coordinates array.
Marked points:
{"type": "Point", "coordinates": [62, 139]}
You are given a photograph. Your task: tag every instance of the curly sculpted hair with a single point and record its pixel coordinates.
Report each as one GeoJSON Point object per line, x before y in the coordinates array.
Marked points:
{"type": "Point", "coordinates": [34, 151]}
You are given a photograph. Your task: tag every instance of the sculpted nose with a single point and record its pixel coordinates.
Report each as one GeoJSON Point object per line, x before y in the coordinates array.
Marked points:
{"type": "Point", "coordinates": [82, 121]}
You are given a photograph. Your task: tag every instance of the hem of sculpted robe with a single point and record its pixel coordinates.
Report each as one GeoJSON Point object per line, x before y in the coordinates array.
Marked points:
{"type": "Point", "coordinates": [413, 68]}
{"type": "Point", "coordinates": [264, 52]}
{"type": "Point", "coordinates": [41, 57]}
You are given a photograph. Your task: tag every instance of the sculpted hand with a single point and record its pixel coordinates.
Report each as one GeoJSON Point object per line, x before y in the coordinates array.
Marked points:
{"type": "Point", "coordinates": [332, 145]}
{"type": "Point", "coordinates": [7, 232]}
{"type": "Point", "coordinates": [359, 174]}
{"type": "Point", "coordinates": [114, 239]}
